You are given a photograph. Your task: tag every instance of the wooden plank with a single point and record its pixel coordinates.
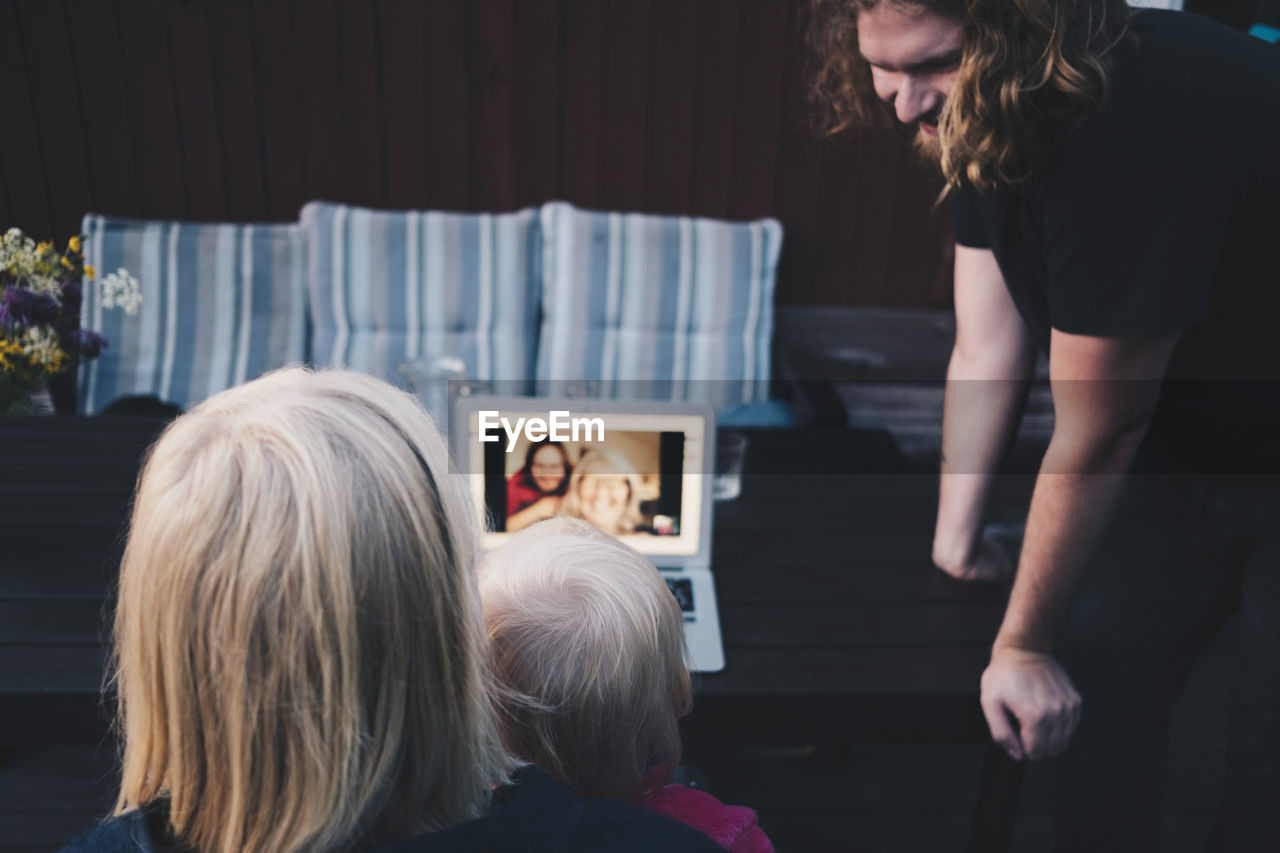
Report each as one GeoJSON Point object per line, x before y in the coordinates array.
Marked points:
{"type": "Point", "coordinates": [822, 548]}
{"type": "Point", "coordinates": [92, 502]}
{"type": "Point", "coordinates": [837, 229]}
{"type": "Point", "coordinates": [898, 671]}
{"type": "Point", "coordinates": [849, 779]}
{"type": "Point", "coordinates": [146, 53]}
{"type": "Point", "coordinates": [198, 119]}
{"type": "Point", "coordinates": [626, 83]}
{"type": "Point", "coordinates": [50, 778]}
{"type": "Point", "coordinates": [722, 717]}
{"type": "Point", "coordinates": [4, 196]}
{"type": "Point", "coordinates": [798, 181]}
{"type": "Point", "coordinates": [238, 107]}
{"type": "Point", "coordinates": [319, 81]}
{"type": "Point", "coordinates": [112, 472]}
{"type": "Point", "coordinates": [21, 148]}
{"type": "Point", "coordinates": [404, 79]}
{"type": "Point", "coordinates": [792, 671]}
{"type": "Point", "coordinates": [108, 114]}
{"type": "Point", "coordinates": [582, 134]}
{"type": "Point", "coordinates": [758, 107]}
{"type": "Point", "coordinates": [857, 627]}
{"type": "Point", "coordinates": [64, 620]}
{"type": "Point", "coordinates": [845, 582]}
{"type": "Point", "coordinates": [906, 493]}
{"type": "Point", "coordinates": [86, 574]}
{"type": "Point", "coordinates": [101, 534]}
{"type": "Point", "coordinates": [905, 516]}
{"type": "Point", "coordinates": [847, 451]}
{"type": "Point", "coordinates": [56, 99]}
{"type": "Point", "coordinates": [365, 178]}
{"type": "Point", "coordinates": [713, 124]}
{"type": "Point", "coordinates": [879, 156]}
{"type": "Point", "coordinates": [536, 101]}
{"type": "Point", "coordinates": [489, 72]}
{"type": "Point", "coordinates": [50, 668]}
{"type": "Point", "coordinates": [669, 150]}
{"type": "Point", "coordinates": [445, 102]}
{"type": "Point", "coordinates": [284, 145]}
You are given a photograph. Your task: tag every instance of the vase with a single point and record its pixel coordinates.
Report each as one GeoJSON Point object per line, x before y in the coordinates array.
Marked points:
{"type": "Point", "coordinates": [35, 402]}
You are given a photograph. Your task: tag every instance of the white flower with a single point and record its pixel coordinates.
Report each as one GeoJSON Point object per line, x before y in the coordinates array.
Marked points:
{"type": "Point", "coordinates": [40, 344]}
{"type": "Point", "coordinates": [17, 253]}
{"type": "Point", "coordinates": [123, 290]}
{"type": "Point", "coordinates": [46, 285]}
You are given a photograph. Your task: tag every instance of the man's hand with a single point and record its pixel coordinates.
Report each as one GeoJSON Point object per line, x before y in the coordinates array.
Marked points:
{"type": "Point", "coordinates": [1033, 690]}
{"type": "Point", "coordinates": [989, 562]}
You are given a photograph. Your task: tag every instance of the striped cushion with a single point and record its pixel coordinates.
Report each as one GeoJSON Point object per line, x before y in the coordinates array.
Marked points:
{"type": "Point", "coordinates": [684, 304]}
{"type": "Point", "coordinates": [222, 304]}
{"type": "Point", "coordinates": [394, 286]}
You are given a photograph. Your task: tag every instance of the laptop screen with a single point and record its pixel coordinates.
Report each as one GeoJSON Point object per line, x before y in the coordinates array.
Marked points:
{"type": "Point", "coordinates": [637, 475]}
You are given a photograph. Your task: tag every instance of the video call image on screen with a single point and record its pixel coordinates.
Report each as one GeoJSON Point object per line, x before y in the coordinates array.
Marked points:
{"type": "Point", "coordinates": [629, 484]}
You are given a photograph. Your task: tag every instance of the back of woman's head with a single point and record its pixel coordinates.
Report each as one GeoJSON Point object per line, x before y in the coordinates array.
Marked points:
{"type": "Point", "coordinates": [588, 644]}
{"type": "Point", "coordinates": [298, 645]}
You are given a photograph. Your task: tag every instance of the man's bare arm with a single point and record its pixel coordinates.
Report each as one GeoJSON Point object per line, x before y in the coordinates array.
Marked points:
{"type": "Point", "coordinates": [987, 381]}
{"type": "Point", "coordinates": [1105, 391]}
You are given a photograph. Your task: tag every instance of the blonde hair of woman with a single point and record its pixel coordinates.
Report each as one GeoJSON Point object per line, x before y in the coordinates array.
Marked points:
{"type": "Point", "coordinates": [298, 644]}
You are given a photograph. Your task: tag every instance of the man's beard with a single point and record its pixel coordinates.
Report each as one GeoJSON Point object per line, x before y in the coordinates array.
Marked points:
{"type": "Point", "coordinates": [928, 146]}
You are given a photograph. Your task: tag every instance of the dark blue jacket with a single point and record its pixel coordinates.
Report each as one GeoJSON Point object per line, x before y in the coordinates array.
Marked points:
{"type": "Point", "coordinates": [535, 814]}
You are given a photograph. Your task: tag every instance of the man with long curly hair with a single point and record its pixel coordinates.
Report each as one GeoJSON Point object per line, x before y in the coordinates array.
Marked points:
{"type": "Point", "coordinates": [1115, 176]}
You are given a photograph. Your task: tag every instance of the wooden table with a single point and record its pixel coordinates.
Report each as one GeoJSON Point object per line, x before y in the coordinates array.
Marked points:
{"type": "Point", "coordinates": [837, 628]}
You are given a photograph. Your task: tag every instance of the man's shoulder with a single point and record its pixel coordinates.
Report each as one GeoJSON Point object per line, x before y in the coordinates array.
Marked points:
{"type": "Point", "coordinates": [1177, 72]}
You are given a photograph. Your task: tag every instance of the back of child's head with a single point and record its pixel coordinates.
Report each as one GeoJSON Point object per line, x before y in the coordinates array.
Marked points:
{"type": "Point", "coordinates": [588, 646]}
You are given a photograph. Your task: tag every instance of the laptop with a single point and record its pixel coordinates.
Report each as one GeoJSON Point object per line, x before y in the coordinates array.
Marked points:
{"type": "Point", "coordinates": [640, 470]}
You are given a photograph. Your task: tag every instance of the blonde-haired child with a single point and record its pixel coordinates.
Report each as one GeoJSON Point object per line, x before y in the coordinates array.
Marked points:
{"type": "Point", "coordinates": [587, 644]}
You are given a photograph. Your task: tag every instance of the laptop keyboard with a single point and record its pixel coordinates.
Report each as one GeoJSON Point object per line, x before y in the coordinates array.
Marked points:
{"type": "Point", "coordinates": [682, 589]}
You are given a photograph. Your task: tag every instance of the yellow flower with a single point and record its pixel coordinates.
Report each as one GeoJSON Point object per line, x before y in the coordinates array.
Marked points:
{"type": "Point", "coordinates": [47, 244]}
{"type": "Point", "coordinates": [74, 244]}
{"type": "Point", "coordinates": [10, 353]}
{"type": "Point", "coordinates": [89, 271]}
{"type": "Point", "coordinates": [66, 263]}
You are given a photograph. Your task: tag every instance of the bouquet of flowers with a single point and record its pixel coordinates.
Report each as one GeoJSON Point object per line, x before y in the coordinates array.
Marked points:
{"type": "Point", "coordinates": [40, 332]}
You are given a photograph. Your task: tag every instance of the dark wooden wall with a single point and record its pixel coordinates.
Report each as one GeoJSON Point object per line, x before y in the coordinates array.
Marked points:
{"type": "Point", "coordinates": [244, 109]}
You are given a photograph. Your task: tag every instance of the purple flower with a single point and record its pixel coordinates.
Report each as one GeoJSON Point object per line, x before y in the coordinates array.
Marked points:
{"type": "Point", "coordinates": [71, 293]}
{"type": "Point", "coordinates": [23, 308]}
{"type": "Point", "coordinates": [88, 343]}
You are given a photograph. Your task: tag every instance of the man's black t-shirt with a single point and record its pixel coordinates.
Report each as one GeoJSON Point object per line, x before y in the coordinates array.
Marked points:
{"type": "Point", "coordinates": [1161, 214]}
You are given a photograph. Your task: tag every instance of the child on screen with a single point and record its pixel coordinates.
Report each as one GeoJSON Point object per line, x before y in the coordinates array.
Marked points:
{"type": "Point", "coordinates": [588, 647]}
